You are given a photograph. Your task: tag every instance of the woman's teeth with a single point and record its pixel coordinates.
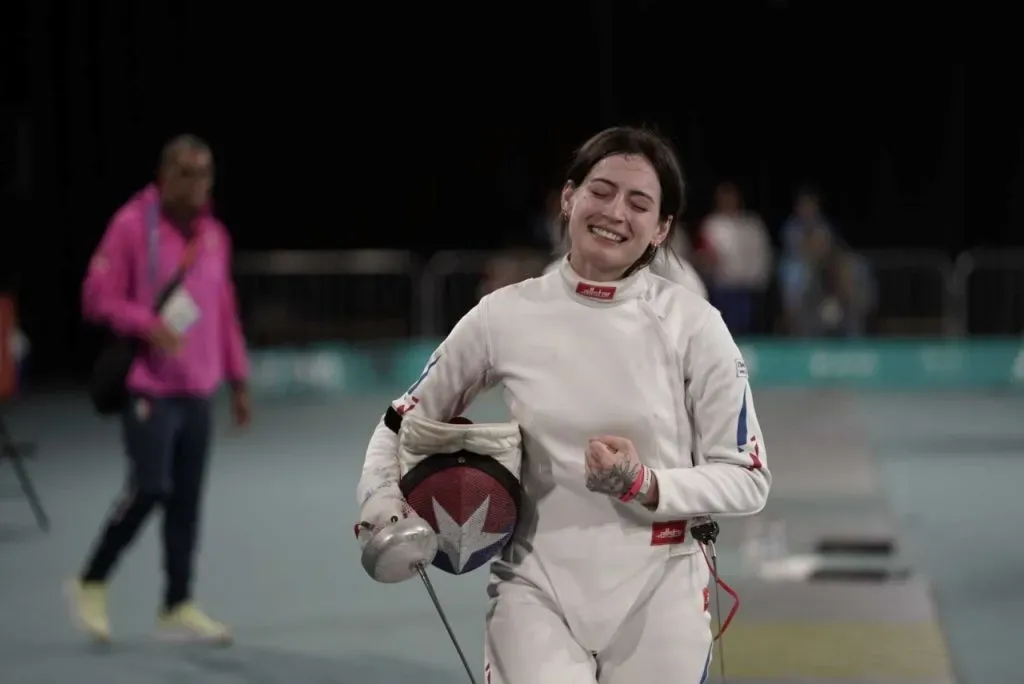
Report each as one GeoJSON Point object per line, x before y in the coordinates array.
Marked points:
{"type": "Point", "coordinates": [606, 234]}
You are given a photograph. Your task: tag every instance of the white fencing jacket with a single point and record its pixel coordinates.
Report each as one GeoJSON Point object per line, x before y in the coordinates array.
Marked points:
{"type": "Point", "coordinates": [640, 358]}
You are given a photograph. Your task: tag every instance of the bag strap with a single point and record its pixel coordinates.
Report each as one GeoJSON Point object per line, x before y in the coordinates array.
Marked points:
{"type": "Point", "coordinates": [187, 257]}
{"type": "Point", "coordinates": [153, 233]}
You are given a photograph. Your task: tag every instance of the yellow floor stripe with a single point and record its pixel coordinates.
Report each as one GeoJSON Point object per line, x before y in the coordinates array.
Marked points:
{"type": "Point", "coordinates": [822, 651]}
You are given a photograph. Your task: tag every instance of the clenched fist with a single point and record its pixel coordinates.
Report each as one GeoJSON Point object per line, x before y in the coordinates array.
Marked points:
{"type": "Point", "coordinates": [612, 465]}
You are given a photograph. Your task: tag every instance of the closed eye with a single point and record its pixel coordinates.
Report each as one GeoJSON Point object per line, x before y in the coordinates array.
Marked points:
{"type": "Point", "coordinates": [602, 189]}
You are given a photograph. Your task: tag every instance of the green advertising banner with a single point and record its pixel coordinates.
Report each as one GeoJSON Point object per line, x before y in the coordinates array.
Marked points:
{"type": "Point", "coordinates": [885, 364]}
{"type": "Point", "coordinates": [877, 364]}
{"type": "Point", "coordinates": [328, 369]}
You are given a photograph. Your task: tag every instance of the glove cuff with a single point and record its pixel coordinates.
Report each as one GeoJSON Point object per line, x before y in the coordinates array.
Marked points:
{"type": "Point", "coordinates": [384, 508]}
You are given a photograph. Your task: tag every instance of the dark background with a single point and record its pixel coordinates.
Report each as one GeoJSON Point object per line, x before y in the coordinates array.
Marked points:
{"type": "Point", "coordinates": [340, 126]}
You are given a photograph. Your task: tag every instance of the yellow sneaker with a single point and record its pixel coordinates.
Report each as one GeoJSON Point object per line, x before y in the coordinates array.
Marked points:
{"type": "Point", "coordinates": [188, 623]}
{"type": "Point", "coordinates": [89, 608]}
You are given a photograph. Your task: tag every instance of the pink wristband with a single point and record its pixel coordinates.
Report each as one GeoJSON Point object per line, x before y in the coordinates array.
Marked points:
{"type": "Point", "coordinates": [635, 487]}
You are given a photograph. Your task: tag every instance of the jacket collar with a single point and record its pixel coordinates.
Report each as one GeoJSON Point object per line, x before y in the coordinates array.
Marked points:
{"type": "Point", "coordinates": [601, 294]}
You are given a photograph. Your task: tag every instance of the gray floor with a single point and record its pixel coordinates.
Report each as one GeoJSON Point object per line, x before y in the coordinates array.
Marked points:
{"type": "Point", "coordinates": [952, 465]}
{"type": "Point", "coordinates": [281, 566]}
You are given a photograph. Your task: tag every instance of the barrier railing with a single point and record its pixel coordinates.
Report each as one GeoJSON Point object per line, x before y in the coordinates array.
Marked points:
{"type": "Point", "coordinates": [449, 284]}
{"type": "Point", "coordinates": [294, 298]}
{"type": "Point", "coordinates": [990, 284]}
{"type": "Point", "coordinates": [912, 292]}
{"type": "Point", "coordinates": [290, 298]}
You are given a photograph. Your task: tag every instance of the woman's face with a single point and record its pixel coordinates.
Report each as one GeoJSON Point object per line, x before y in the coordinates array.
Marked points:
{"type": "Point", "coordinates": [613, 216]}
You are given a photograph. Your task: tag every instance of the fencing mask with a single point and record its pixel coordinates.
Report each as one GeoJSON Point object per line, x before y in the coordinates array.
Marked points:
{"type": "Point", "coordinates": [463, 479]}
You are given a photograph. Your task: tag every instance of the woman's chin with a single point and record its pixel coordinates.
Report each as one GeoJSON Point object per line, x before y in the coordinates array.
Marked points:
{"type": "Point", "coordinates": [606, 259]}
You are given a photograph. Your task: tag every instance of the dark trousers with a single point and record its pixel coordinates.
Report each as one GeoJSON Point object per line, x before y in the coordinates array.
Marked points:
{"type": "Point", "coordinates": [167, 441]}
{"type": "Point", "coordinates": [736, 307]}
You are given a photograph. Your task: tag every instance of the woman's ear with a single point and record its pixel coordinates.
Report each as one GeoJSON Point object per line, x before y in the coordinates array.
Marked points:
{"type": "Point", "coordinates": [663, 230]}
{"type": "Point", "coordinates": [567, 199]}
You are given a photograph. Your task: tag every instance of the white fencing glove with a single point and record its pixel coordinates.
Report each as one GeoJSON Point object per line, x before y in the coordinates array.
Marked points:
{"type": "Point", "coordinates": [378, 512]}
{"type": "Point", "coordinates": [397, 543]}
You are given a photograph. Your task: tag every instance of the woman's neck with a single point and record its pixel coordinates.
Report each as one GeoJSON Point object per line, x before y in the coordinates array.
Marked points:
{"type": "Point", "coordinates": [588, 272]}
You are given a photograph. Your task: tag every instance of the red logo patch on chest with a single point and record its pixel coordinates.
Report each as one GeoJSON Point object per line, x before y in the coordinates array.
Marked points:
{"type": "Point", "coordinates": [671, 532]}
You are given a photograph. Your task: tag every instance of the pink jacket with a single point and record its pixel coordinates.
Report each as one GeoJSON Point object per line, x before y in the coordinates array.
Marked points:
{"type": "Point", "coordinates": [118, 293]}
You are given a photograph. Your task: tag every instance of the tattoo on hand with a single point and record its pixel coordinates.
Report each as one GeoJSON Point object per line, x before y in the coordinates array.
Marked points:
{"type": "Point", "coordinates": [615, 480]}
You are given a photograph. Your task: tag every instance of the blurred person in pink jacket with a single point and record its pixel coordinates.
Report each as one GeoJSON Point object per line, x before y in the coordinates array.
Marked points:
{"type": "Point", "coordinates": [166, 234]}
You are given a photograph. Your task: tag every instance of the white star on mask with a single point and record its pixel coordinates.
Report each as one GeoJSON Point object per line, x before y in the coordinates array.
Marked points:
{"type": "Point", "coordinates": [460, 542]}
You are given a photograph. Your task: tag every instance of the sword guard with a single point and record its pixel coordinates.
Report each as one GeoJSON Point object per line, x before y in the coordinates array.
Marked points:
{"type": "Point", "coordinates": [705, 531]}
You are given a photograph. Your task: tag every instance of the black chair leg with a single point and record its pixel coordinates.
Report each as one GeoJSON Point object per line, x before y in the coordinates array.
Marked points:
{"type": "Point", "coordinates": [10, 450]}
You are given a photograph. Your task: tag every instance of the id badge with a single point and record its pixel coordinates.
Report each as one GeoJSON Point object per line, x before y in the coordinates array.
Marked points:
{"type": "Point", "coordinates": [180, 311]}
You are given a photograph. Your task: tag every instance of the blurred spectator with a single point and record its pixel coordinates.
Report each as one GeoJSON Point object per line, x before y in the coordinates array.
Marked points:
{"type": "Point", "coordinates": [735, 254]}
{"type": "Point", "coordinates": [807, 215]}
{"type": "Point", "coordinates": [826, 287]}
{"type": "Point", "coordinates": [161, 275]}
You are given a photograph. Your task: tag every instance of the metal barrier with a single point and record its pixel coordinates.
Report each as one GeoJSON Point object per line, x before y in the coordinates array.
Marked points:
{"type": "Point", "coordinates": [450, 284]}
{"type": "Point", "coordinates": [294, 298]}
{"type": "Point", "coordinates": [302, 297]}
{"type": "Point", "coordinates": [912, 292]}
{"type": "Point", "coordinates": [990, 284]}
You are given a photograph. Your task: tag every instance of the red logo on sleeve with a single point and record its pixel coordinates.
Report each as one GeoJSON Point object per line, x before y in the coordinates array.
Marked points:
{"type": "Point", "coordinates": [665, 533]}
{"type": "Point", "coordinates": [408, 406]}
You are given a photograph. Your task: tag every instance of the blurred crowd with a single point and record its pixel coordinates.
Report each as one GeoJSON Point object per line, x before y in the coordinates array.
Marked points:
{"type": "Point", "coordinates": [802, 280]}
